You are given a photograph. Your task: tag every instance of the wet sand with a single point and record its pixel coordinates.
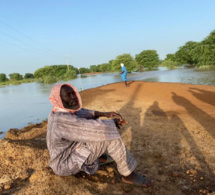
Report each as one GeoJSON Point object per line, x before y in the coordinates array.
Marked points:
{"type": "Point", "coordinates": [170, 131]}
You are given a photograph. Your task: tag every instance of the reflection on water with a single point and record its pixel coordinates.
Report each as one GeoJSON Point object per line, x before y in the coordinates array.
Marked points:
{"type": "Point", "coordinates": [29, 103]}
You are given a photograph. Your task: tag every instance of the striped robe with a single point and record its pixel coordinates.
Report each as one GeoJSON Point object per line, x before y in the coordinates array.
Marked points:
{"type": "Point", "coordinates": [76, 138]}
{"type": "Point", "coordinates": [66, 135]}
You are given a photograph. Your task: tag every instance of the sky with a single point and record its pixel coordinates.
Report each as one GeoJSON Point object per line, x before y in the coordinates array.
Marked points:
{"type": "Point", "coordinates": [37, 33]}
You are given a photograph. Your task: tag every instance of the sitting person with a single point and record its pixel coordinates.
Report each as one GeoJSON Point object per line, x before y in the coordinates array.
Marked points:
{"type": "Point", "coordinates": [77, 137]}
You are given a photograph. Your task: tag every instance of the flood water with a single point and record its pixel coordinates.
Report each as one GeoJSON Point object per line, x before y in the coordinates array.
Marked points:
{"type": "Point", "coordinates": [29, 102]}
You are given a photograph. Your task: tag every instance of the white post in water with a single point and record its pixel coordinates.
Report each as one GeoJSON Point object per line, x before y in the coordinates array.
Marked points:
{"type": "Point", "coordinates": [67, 62]}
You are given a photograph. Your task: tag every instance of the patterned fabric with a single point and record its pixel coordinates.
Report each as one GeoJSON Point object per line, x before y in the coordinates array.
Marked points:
{"type": "Point", "coordinates": [67, 134]}
{"type": "Point", "coordinates": [126, 163]}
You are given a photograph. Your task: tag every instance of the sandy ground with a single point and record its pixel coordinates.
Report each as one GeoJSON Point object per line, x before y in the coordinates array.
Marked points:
{"type": "Point", "coordinates": [170, 131]}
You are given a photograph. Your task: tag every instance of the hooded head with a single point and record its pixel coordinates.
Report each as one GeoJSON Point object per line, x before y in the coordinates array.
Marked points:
{"type": "Point", "coordinates": [65, 97]}
{"type": "Point", "coordinates": [122, 64]}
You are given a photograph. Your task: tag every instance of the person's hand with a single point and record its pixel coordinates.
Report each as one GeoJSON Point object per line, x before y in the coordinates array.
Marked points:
{"type": "Point", "coordinates": [113, 115]}
{"type": "Point", "coordinates": [119, 123]}
{"type": "Point", "coordinates": [110, 115]}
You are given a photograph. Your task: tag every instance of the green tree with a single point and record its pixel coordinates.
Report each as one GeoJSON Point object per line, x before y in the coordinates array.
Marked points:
{"type": "Point", "coordinates": [204, 53]}
{"type": "Point", "coordinates": [170, 57]}
{"type": "Point", "coordinates": [55, 72]}
{"type": "Point", "coordinates": [185, 53]}
{"type": "Point", "coordinates": [127, 60]}
{"type": "Point", "coordinates": [15, 76]}
{"type": "Point", "coordinates": [148, 59]}
{"type": "Point", "coordinates": [84, 70]}
{"type": "Point", "coordinates": [109, 68]}
{"type": "Point", "coordinates": [169, 63]}
{"type": "Point", "coordinates": [49, 79]}
{"type": "Point", "coordinates": [28, 76]}
{"type": "Point", "coordinates": [99, 68]}
{"type": "Point", "coordinates": [93, 68]}
{"type": "Point", "coordinates": [70, 74]}
{"type": "Point", "coordinates": [3, 77]}
{"type": "Point", "coordinates": [105, 67]}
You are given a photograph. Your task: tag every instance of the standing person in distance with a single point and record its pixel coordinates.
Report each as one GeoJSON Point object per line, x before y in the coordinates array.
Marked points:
{"type": "Point", "coordinates": [124, 74]}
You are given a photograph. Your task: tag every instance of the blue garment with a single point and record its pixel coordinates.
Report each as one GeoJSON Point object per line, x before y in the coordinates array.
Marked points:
{"type": "Point", "coordinates": [124, 74]}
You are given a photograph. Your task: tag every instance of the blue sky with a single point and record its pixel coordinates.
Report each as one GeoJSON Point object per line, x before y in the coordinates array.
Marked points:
{"type": "Point", "coordinates": [35, 33]}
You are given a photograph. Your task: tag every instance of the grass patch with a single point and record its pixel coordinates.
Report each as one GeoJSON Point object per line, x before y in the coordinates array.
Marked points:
{"type": "Point", "coordinates": [206, 67]}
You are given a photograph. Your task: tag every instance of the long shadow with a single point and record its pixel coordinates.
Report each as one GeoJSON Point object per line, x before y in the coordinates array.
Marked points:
{"type": "Point", "coordinates": [205, 120]}
{"type": "Point", "coordinates": [130, 82]}
{"type": "Point", "coordinates": [160, 130]}
{"type": "Point", "coordinates": [200, 116]}
{"type": "Point", "coordinates": [195, 149]}
{"type": "Point", "coordinates": [204, 95]}
{"type": "Point", "coordinates": [166, 155]}
{"type": "Point", "coordinates": [132, 111]}
{"type": "Point", "coordinates": [132, 134]}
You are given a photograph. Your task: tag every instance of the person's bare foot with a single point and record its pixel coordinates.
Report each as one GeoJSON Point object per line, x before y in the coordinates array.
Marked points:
{"type": "Point", "coordinates": [137, 180]}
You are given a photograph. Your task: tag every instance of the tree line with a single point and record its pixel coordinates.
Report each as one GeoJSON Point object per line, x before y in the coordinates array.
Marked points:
{"type": "Point", "coordinates": [193, 53]}
{"type": "Point", "coordinates": [53, 73]}
{"type": "Point", "coordinates": [196, 54]}
{"type": "Point", "coordinates": [146, 59]}
{"type": "Point", "coordinates": [15, 76]}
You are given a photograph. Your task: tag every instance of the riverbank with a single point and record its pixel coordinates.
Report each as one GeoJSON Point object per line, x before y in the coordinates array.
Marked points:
{"type": "Point", "coordinates": [170, 131]}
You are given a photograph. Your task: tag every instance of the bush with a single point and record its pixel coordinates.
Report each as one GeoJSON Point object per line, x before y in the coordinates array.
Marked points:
{"type": "Point", "coordinates": [49, 79]}
{"type": "Point", "coordinates": [169, 64]}
{"type": "Point", "coordinates": [3, 77]}
{"type": "Point", "coordinates": [205, 67]}
{"type": "Point", "coordinates": [16, 76]}
{"type": "Point", "coordinates": [70, 74]}
{"type": "Point", "coordinates": [28, 76]}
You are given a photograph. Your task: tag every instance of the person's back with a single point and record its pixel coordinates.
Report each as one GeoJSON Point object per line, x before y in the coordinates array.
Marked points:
{"type": "Point", "coordinates": [59, 149]}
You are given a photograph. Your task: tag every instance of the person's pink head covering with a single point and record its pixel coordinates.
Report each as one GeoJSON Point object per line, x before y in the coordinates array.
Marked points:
{"type": "Point", "coordinates": [56, 101]}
